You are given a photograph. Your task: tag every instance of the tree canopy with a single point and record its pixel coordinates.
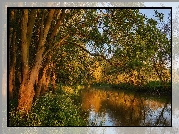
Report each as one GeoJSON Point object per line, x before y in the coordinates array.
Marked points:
{"type": "Point", "coordinates": [68, 45]}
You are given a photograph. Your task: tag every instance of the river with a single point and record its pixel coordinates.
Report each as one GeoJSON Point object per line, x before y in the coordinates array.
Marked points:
{"type": "Point", "coordinates": [109, 107]}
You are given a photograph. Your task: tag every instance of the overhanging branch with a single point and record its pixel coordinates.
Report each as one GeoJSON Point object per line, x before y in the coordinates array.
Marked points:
{"type": "Point", "coordinates": [94, 54]}
{"type": "Point", "coordinates": [57, 44]}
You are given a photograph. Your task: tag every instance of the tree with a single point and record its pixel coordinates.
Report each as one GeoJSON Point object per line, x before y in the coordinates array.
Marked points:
{"type": "Point", "coordinates": [47, 39]}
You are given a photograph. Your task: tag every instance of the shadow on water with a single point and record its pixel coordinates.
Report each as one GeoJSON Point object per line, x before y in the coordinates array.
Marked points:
{"type": "Point", "coordinates": [121, 108]}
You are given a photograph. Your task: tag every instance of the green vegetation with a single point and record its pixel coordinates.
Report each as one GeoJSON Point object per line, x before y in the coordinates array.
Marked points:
{"type": "Point", "coordinates": [153, 87]}
{"type": "Point", "coordinates": [57, 109]}
{"type": "Point", "coordinates": [54, 53]}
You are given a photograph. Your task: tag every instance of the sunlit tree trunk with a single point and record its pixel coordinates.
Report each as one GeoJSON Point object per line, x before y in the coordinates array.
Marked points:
{"type": "Point", "coordinates": [53, 80]}
{"type": "Point", "coordinates": [53, 77]}
{"type": "Point", "coordinates": [12, 57]}
{"type": "Point", "coordinates": [12, 66]}
{"type": "Point", "coordinates": [26, 93]}
{"type": "Point", "coordinates": [43, 82]}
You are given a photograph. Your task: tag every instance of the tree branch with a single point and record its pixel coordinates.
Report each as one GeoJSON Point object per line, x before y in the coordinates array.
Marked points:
{"type": "Point", "coordinates": [47, 26]}
{"type": "Point", "coordinates": [58, 24]}
{"type": "Point", "coordinates": [25, 46]}
{"type": "Point", "coordinates": [31, 24]}
{"type": "Point", "coordinates": [56, 45]}
{"type": "Point", "coordinates": [94, 54]}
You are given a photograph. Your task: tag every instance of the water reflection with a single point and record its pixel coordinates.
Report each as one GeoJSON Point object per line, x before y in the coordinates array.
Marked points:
{"type": "Point", "coordinates": [120, 108]}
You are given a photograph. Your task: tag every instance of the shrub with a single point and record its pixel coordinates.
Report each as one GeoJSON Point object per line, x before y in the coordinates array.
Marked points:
{"type": "Point", "coordinates": [50, 110]}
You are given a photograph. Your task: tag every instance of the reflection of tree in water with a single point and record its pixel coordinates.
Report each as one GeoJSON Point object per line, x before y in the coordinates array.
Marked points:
{"type": "Point", "coordinates": [159, 117]}
{"type": "Point", "coordinates": [124, 109]}
{"type": "Point", "coordinates": [137, 112]}
{"type": "Point", "coordinates": [123, 115]}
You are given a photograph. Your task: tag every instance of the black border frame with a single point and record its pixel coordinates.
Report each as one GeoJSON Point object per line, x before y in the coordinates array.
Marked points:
{"type": "Point", "coordinates": [8, 8]}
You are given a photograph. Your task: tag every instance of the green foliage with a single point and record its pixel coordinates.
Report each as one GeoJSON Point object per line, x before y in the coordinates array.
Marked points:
{"type": "Point", "coordinates": [134, 42]}
{"type": "Point", "coordinates": [50, 110]}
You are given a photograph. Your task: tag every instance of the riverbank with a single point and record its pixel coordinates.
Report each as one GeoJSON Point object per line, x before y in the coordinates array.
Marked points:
{"type": "Point", "coordinates": [64, 107]}
{"type": "Point", "coordinates": [61, 108]}
{"type": "Point", "coordinates": [153, 87]}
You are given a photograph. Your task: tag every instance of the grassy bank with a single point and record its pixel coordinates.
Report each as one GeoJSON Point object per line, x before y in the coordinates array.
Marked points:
{"type": "Point", "coordinates": [152, 87]}
{"type": "Point", "coordinates": [58, 109]}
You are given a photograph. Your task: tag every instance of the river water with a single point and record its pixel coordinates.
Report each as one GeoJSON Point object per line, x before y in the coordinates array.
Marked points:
{"type": "Point", "coordinates": [105, 107]}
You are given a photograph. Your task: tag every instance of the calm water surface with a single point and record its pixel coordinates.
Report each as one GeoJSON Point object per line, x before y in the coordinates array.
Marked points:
{"type": "Point", "coordinates": [121, 108]}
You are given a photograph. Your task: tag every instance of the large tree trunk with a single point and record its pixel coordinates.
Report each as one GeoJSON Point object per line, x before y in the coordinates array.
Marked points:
{"type": "Point", "coordinates": [12, 68]}
{"type": "Point", "coordinates": [12, 40]}
{"type": "Point", "coordinates": [42, 82]}
{"type": "Point", "coordinates": [26, 93]}
{"type": "Point", "coordinates": [53, 81]}
{"type": "Point", "coordinates": [45, 82]}
{"type": "Point", "coordinates": [11, 82]}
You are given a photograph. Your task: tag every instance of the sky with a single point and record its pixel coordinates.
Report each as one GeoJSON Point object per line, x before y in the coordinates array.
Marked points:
{"type": "Point", "coordinates": [174, 10]}
{"type": "Point", "coordinates": [150, 13]}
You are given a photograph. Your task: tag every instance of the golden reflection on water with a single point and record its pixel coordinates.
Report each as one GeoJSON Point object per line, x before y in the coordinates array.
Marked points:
{"type": "Point", "coordinates": [125, 109]}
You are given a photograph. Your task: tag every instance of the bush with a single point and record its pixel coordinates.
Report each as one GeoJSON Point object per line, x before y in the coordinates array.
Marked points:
{"type": "Point", "coordinates": [50, 110]}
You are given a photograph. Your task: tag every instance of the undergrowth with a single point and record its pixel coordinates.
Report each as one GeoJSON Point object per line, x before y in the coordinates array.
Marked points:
{"type": "Point", "coordinates": [58, 109]}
